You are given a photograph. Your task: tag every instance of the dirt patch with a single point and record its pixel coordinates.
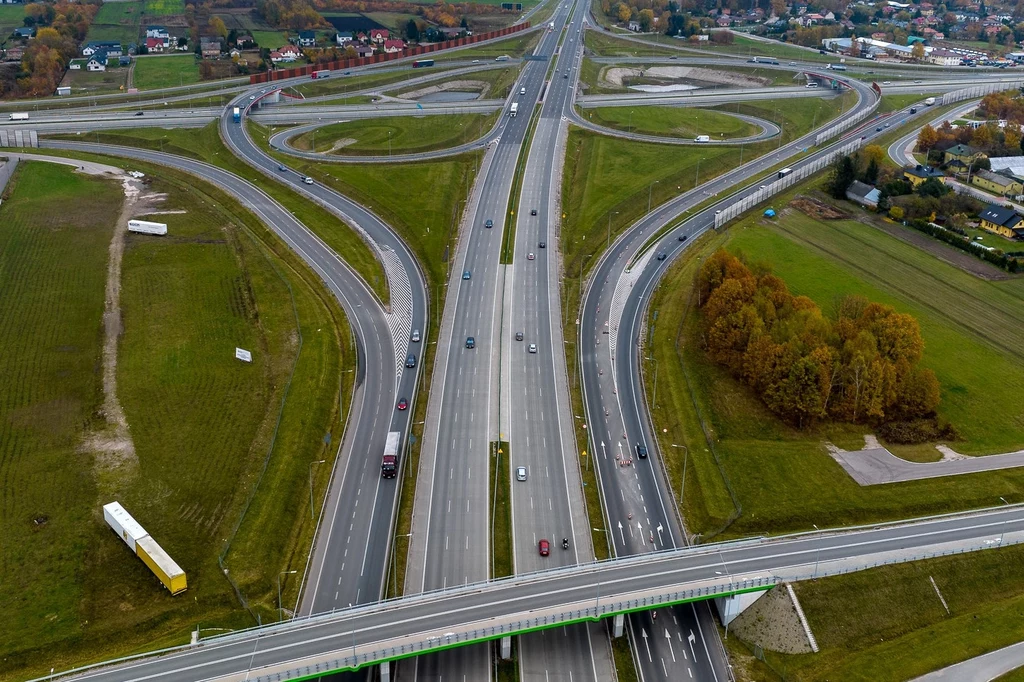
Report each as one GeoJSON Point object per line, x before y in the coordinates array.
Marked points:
{"type": "Point", "coordinates": [340, 144]}
{"type": "Point", "coordinates": [818, 209]}
{"type": "Point", "coordinates": [772, 623]}
{"type": "Point", "coordinates": [473, 86]}
{"type": "Point", "coordinates": [694, 75]}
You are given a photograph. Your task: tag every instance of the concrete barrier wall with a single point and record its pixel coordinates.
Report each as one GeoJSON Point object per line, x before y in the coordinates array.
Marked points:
{"type": "Point", "coordinates": [294, 72]}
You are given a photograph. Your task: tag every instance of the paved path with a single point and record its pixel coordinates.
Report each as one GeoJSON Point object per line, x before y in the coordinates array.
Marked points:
{"type": "Point", "coordinates": [980, 668]}
{"type": "Point", "coordinates": [874, 466]}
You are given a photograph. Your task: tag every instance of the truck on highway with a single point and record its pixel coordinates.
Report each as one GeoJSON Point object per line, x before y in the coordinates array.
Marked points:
{"type": "Point", "coordinates": [389, 463]}
{"type": "Point", "coordinates": [784, 172]}
{"type": "Point", "coordinates": [502, 58]}
{"type": "Point", "coordinates": [322, 73]}
{"type": "Point", "coordinates": [420, 63]}
{"type": "Point", "coordinates": [930, 101]}
{"type": "Point", "coordinates": [19, 117]}
{"type": "Point", "coordinates": [236, 115]}
{"type": "Point", "coordinates": [514, 109]}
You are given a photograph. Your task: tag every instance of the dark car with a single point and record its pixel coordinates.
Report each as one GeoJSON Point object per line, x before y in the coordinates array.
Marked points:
{"type": "Point", "coordinates": [470, 342]}
{"type": "Point", "coordinates": [410, 360]}
{"type": "Point", "coordinates": [466, 274]}
{"type": "Point", "coordinates": [641, 451]}
{"type": "Point", "coordinates": [533, 211]}
{"type": "Point", "coordinates": [139, 113]}
{"type": "Point", "coordinates": [542, 245]}
{"type": "Point", "coordinates": [662, 256]}
{"type": "Point", "coordinates": [281, 167]}
{"type": "Point", "coordinates": [519, 336]}
{"type": "Point", "coordinates": [878, 129]}
{"type": "Point", "coordinates": [545, 547]}
{"type": "Point", "coordinates": [488, 223]}
{"type": "Point", "coordinates": [681, 237]}
{"type": "Point", "coordinates": [403, 404]}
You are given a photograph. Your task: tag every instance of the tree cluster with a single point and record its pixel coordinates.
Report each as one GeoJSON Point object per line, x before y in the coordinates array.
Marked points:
{"type": "Point", "coordinates": [864, 165]}
{"type": "Point", "coordinates": [297, 15]}
{"type": "Point", "coordinates": [59, 29]}
{"type": "Point", "coordinates": [859, 366]}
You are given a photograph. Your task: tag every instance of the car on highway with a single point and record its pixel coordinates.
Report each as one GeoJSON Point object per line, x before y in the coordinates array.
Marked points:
{"type": "Point", "coordinates": [532, 348]}
{"type": "Point", "coordinates": [308, 180]}
{"type": "Point", "coordinates": [718, 211]}
{"type": "Point", "coordinates": [641, 451]}
{"type": "Point", "coordinates": [139, 113]}
{"type": "Point", "coordinates": [519, 336]}
{"type": "Point", "coordinates": [565, 75]}
{"type": "Point", "coordinates": [415, 338]}
{"type": "Point", "coordinates": [878, 129]}
{"type": "Point", "coordinates": [545, 547]}
{"type": "Point", "coordinates": [533, 211]}
{"type": "Point", "coordinates": [522, 91]}
{"type": "Point", "coordinates": [281, 167]}
{"type": "Point", "coordinates": [252, 97]}
{"type": "Point", "coordinates": [886, 83]}
{"type": "Point", "coordinates": [662, 256]}
{"type": "Point", "coordinates": [529, 256]}
{"type": "Point", "coordinates": [402, 404]}
{"type": "Point", "coordinates": [541, 245]}
{"type": "Point", "coordinates": [672, 57]}
{"type": "Point", "coordinates": [520, 473]}
{"type": "Point", "coordinates": [470, 342]}
{"type": "Point", "coordinates": [410, 360]}
{"type": "Point", "coordinates": [488, 223]}
{"type": "Point", "coordinates": [681, 237]}
{"type": "Point", "coordinates": [466, 274]}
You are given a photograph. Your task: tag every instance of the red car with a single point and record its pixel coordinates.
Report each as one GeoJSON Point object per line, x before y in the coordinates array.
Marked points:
{"type": "Point", "coordinates": [403, 403]}
{"type": "Point", "coordinates": [545, 548]}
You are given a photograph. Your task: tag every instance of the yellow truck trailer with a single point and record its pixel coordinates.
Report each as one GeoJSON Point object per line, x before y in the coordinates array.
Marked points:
{"type": "Point", "coordinates": [145, 547]}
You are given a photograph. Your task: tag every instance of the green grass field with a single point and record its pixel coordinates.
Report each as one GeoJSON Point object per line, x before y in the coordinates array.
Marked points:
{"type": "Point", "coordinates": [11, 17]}
{"type": "Point", "coordinates": [338, 83]}
{"type": "Point", "coordinates": [164, 7]}
{"type": "Point", "coordinates": [163, 72]}
{"type": "Point", "coordinates": [515, 46]}
{"type": "Point", "coordinates": [672, 121]}
{"type": "Point", "coordinates": [96, 82]}
{"type": "Point", "coordinates": [117, 21]}
{"type": "Point", "coordinates": [399, 135]}
{"type": "Point", "coordinates": [887, 624]}
{"type": "Point", "coordinates": [797, 116]}
{"type": "Point", "coordinates": [205, 144]}
{"type": "Point", "coordinates": [499, 81]}
{"type": "Point", "coordinates": [203, 424]}
{"type": "Point", "coordinates": [897, 102]}
{"type": "Point", "coordinates": [270, 39]}
{"type": "Point", "coordinates": [783, 478]}
{"type": "Point", "coordinates": [119, 13]}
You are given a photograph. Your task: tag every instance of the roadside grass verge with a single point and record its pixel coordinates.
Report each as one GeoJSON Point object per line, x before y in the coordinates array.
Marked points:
{"type": "Point", "coordinates": [501, 509]}
{"type": "Point", "coordinates": [516, 46]}
{"type": "Point", "coordinates": [499, 80]}
{"type": "Point", "coordinates": [508, 239]}
{"type": "Point", "coordinates": [797, 116]}
{"type": "Point", "coordinates": [672, 121]}
{"type": "Point", "coordinates": [219, 278]}
{"type": "Point", "coordinates": [602, 44]}
{"type": "Point", "coordinates": [887, 623]}
{"type": "Point", "coordinates": [205, 145]}
{"type": "Point", "coordinates": [338, 83]}
{"type": "Point", "coordinates": [165, 72]}
{"type": "Point", "coordinates": [625, 666]}
{"type": "Point", "coordinates": [892, 103]}
{"type": "Point", "coordinates": [783, 478]}
{"type": "Point", "coordinates": [397, 135]}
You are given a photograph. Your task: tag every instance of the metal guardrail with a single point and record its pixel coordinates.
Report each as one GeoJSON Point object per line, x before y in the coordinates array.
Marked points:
{"type": "Point", "coordinates": [785, 182]}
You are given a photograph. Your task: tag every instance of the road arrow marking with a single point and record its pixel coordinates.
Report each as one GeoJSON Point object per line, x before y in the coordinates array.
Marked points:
{"type": "Point", "coordinates": [622, 535]}
{"type": "Point", "coordinates": [660, 541]}
{"type": "Point", "coordinates": [670, 649]}
{"type": "Point", "coordinates": [640, 529]}
{"type": "Point", "coordinates": [643, 633]}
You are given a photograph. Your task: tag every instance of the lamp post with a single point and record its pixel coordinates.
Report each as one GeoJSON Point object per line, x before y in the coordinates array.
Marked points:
{"type": "Point", "coordinates": [319, 461]}
{"type": "Point", "coordinates": [608, 241]}
{"type": "Point", "coordinates": [817, 555]}
{"type": "Point", "coordinates": [1003, 531]}
{"type": "Point", "coordinates": [280, 611]}
{"type": "Point", "coordinates": [650, 189]}
{"type": "Point", "coordinates": [629, 127]}
{"type": "Point", "coordinates": [686, 457]}
{"type": "Point", "coordinates": [389, 143]}
{"type": "Point", "coordinates": [696, 176]}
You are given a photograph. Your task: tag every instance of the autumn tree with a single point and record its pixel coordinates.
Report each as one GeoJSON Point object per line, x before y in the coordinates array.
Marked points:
{"type": "Point", "coordinates": [917, 50]}
{"type": "Point", "coordinates": [927, 138]}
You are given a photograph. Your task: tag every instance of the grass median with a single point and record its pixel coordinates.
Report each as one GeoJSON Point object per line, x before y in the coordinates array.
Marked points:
{"type": "Point", "coordinates": [396, 135]}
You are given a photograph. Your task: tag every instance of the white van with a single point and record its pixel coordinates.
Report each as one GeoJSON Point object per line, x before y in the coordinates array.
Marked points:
{"type": "Point", "coordinates": [812, 84]}
{"type": "Point", "coordinates": [702, 138]}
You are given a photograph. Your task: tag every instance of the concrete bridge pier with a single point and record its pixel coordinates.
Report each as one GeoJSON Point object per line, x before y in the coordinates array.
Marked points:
{"type": "Point", "coordinates": [732, 606]}
{"type": "Point", "coordinates": [385, 672]}
{"type": "Point", "coordinates": [506, 648]}
{"type": "Point", "coordinates": [617, 625]}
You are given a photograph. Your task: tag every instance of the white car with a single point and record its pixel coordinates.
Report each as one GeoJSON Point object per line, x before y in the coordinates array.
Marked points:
{"type": "Point", "coordinates": [532, 348]}
{"type": "Point", "coordinates": [308, 180]}
{"type": "Point", "coordinates": [520, 473]}
{"type": "Point", "coordinates": [529, 256]}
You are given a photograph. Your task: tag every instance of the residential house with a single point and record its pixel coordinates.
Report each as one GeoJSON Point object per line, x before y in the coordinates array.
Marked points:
{"type": "Point", "coordinates": [364, 51]}
{"type": "Point", "coordinates": [863, 194]}
{"type": "Point", "coordinates": [997, 183]}
{"type": "Point", "coordinates": [14, 54]}
{"type": "Point", "coordinates": [25, 32]}
{"type": "Point", "coordinates": [209, 48]}
{"type": "Point", "coordinates": [113, 49]}
{"type": "Point", "coordinates": [124, 60]}
{"type": "Point", "coordinates": [391, 46]}
{"type": "Point", "coordinates": [1002, 221]}
{"type": "Point", "coordinates": [76, 64]}
{"type": "Point", "coordinates": [244, 40]}
{"type": "Point", "coordinates": [97, 62]}
{"type": "Point", "coordinates": [634, 26]}
{"type": "Point", "coordinates": [285, 54]}
{"type": "Point", "coordinates": [157, 32]}
{"type": "Point", "coordinates": [379, 35]}
{"type": "Point", "coordinates": [918, 174]}
{"type": "Point", "coordinates": [721, 22]}
{"type": "Point", "coordinates": [154, 45]}
{"type": "Point", "coordinates": [963, 153]}
{"type": "Point", "coordinates": [944, 57]}
{"type": "Point", "coordinates": [306, 39]}
{"type": "Point", "coordinates": [343, 39]}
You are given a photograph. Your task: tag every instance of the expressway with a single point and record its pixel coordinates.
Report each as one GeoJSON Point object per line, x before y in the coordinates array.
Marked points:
{"type": "Point", "coordinates": [364, 635]}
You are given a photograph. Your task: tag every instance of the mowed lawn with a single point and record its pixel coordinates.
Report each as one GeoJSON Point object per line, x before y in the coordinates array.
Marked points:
{"type": "Point", "coordinates": [682, 122]}
{"type": "Point", "coordinates": [210, 432]}
{"type": "Point", "coordinates": [400, 135]}
{"type": "Point", "coordinates": [164, 7]}
{"type": "Point", "coordinates": [11, 17]}
{"type": "Point", "coordinates": [164, 72]}
{"type": "Point", "coordinates": [782, 478]}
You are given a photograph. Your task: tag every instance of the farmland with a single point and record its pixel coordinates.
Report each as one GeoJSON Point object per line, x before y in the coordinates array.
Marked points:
{"type": "Point", "coordinates": [164, 7]}
{"type": "Point", "coordinates": [117, 21]}
{"type": "Point", "coordinates": [782, 478]}
{"type": "Point", "coordinates": [201, 422]}
{"type": "Point", "coordinates": [399, 135]}
{"type": "Point", "coordinates": [163, 72]}
{"type": "Point", "coordinates": [11, 17]}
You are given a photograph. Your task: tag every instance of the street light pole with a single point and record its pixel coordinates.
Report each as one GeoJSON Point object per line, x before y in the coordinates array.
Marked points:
{"type": "Point", "coordinates": [319, 461]}
{"type": "Point", "coordinates": [817, 555]}
{"type": "Point", "coordinates": [650, 189]}
{"type": "Point", "coordinates": [686, 458]}
{"type": "Point", "coordinates": [696, 176]}
{"type": "Point", "coordinates": [280, 611]}
{"type": "Point", "coordinates": [608, 241]}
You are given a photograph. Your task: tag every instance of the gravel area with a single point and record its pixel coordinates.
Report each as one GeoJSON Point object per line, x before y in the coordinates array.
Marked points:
{"type": "Point", "coordinates": [771, 623]}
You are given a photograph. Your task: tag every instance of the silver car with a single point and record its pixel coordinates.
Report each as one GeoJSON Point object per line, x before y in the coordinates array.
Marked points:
{"type": "Point", "coordinates": [520, 473]}
{"type": "Point", "coordinates": [533, 348]}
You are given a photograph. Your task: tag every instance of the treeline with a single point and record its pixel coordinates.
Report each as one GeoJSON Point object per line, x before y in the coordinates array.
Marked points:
{"type": "Point", "coordinates": [60, 27]}
{"type": "Point", "coordinates": [1008, 106]}
{"type": "Point", "coordinates": [860, 366]}
{"type": "Point", "coordinates": [297, 15]}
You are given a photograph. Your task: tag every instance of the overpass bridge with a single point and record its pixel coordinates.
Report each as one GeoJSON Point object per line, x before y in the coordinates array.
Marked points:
{"type": "Point", "coordinates": [375, 634]}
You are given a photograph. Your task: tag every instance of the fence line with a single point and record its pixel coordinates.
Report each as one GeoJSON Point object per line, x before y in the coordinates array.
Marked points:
{"type": "Point", "coordinates": [979, 91]}
{"type": "Point", "coordinates": [846, 124]}
{"type": "Point", "coordinates": [785, 182]}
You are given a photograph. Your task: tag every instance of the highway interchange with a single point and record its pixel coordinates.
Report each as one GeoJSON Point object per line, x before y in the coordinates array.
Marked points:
{"type": "Point", "coordinates": [497, 391]}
